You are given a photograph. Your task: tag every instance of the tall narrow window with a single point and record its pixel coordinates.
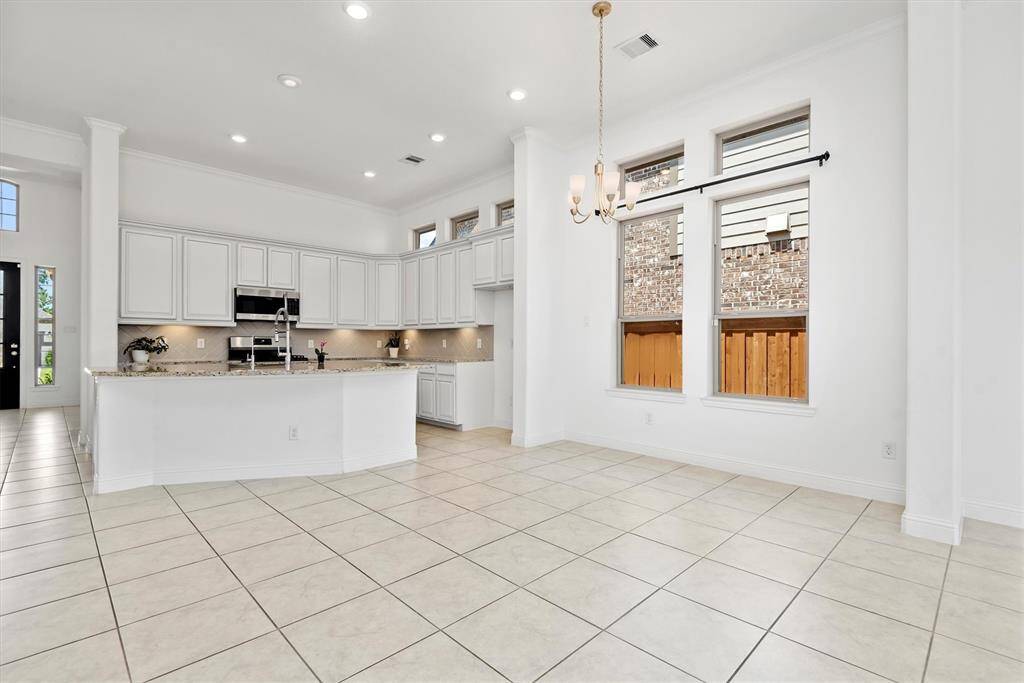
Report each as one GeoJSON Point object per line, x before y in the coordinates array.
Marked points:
{"type": "Point", "coordinates": [425, 237]}
{"type": "Point", "coordinates": [651, 302]}
{"type": "Point", "coordinates": [8, 205]}
{"type": "Point", "coordinates": [464, 225]}
{"type": "Point", "coordinates": [762, 276]}
{"type": "Point", "coordinates": [505, 214]}
{"type": "Point", "coordinates": [658, 173]}
{"type": "Point", "coordinates": [45, 321]}
{"type": "Point", "coordinates": [766, 143]}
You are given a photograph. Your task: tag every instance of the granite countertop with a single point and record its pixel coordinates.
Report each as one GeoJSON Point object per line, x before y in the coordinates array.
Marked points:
{"type": "Point", "coordinates": [223, 369]}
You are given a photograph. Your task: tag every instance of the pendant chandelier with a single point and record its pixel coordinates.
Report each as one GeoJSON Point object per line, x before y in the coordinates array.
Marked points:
{"type": "Point", "coordinates": [606, 184]}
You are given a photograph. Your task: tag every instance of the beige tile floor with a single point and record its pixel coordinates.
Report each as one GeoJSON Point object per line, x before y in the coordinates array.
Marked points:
{"type": "Point", "coordinates": [480, 562]}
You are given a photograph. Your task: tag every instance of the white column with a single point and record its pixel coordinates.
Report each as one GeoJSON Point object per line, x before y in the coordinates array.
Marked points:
{"type": "Point", "coordinates": [539, 346]}
{"type": "Point", "coordinates": [100, 249]}
{"type": "Point", "coordinates": [934, 289]}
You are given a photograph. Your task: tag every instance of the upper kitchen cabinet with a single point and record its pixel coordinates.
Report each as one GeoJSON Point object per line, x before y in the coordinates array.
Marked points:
{"type": "Point", "coordinates": [446, 281]}
{"type": "Point", "coordinates": [387, 283]}
{"type": "Point", "coordinates": [411, 291]}
{"type": "Point", "coordinates": [149, 275]}
{"type": "Point", "coordinates": [252, 265]}
{"type": "Point", "coordinates": [493, 261]}
{"type": "Point", "coordinates": [206, 284]}
{"type": "Point", "coordinates": [316, 289]}
{"type": "Point", "coordinates": [353, 291]}
{"type": "Point", "coordinates": [428, 289]}
{"type": "Point", "coordinates": [282, 268]}
{"type": "Point", "coordinates": [465, 293]}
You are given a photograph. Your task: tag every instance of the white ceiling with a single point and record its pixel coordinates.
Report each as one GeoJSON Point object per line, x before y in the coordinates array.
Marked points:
{"type": "Point", "coordinates": [182, 75]}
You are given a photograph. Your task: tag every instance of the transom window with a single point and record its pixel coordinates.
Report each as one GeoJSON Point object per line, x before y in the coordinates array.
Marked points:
{"type": "Point", "coordinates": [651, 302]}
{"type": "Point", "coordinates": [766, 143]}
{"type": "Point", "coordinates": [425, 237]}
{"type": "Point", "coordinates": [8, 205]}
{"type": "Point", "coordinates": [762, 293]}
{"type": "Point", "coordinates": [45, 322]}
{"type": "Point", "coordinates": [464, 225]}
{"type": "Point", "coordinates": [505, 214]}
{"type": "Point", "coordinates": [656, 174]}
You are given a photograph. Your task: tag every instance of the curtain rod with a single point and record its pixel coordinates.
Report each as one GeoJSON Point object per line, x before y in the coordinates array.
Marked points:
{"type": "Point", "coordinates": [820, 158]}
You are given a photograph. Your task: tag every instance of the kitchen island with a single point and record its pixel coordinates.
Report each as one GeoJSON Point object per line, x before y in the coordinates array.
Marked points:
{"type": "Point", "coordinates": [197, 422]}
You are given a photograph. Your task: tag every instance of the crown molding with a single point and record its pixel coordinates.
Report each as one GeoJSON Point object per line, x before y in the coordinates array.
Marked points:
{"type": "Point", "coordinates": [487, 177]}
{"type": "Point", "coordinates": [265, 182]}
{"type": "Point", "coordinates": [43, 130]}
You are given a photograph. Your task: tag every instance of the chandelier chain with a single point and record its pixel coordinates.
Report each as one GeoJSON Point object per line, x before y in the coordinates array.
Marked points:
{"type": "Point", "coordinates": [600, 89]}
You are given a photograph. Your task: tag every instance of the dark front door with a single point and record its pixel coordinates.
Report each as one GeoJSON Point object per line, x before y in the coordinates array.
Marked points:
{"type": "Point", "coordinates": [10, 334]}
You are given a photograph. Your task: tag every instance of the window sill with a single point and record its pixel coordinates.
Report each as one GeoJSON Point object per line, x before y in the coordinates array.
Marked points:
{"type": "Point", "coordinates": [759, 406]}
{"type": "Point", "coordinates": [46, 387]}
{"type": "Point", "coordinates": [646, 395]}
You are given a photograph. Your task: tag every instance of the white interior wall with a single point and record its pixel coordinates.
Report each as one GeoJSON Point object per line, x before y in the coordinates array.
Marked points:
{"type": "Point", "coordinates": [503, 358]}
{"type": "Point", "coordinates": [49, 235]}
{"type": "Point", "coordinates": [856, 88]}
{"type": "Point", "coordinates": [991, 252]}
{"type": "Point", "coordinates": [483, 195]}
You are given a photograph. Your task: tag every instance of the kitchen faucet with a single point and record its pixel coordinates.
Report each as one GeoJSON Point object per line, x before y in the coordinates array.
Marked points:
{"type": "Point", "coordinates": [283, 311]}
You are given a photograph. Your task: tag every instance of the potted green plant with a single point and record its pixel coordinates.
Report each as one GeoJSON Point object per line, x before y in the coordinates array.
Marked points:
{"type": "Point", "coordinates": [143, 346]}
{"type": "Point", "coordinates": [394, 341]}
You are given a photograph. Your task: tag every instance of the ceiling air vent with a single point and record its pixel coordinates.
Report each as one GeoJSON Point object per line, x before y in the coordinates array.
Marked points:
{"type": "Point", "coordinates": [634, 47]}
{"type": "Point", "coordinates": [412, 160]}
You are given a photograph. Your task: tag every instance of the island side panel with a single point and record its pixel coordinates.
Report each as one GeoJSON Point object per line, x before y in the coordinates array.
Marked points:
{"type": "Point", "coordinates": [379, 418]}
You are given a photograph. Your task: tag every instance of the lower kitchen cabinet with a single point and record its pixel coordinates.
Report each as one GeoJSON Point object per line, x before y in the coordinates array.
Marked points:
{"type": "Point", "coordinates": [460, 394]}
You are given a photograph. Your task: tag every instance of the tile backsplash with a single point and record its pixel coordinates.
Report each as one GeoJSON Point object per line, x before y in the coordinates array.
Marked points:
{"type": "Point", "coordinates": [182, 339]}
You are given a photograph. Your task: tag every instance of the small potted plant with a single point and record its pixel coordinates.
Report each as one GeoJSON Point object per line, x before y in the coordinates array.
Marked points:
{"type": "Point", "coordinates": [394, 341]}
{"type": "Point", "coordinates": [143, 346]}
{"type": "Point", "coordinates": [321, 353]}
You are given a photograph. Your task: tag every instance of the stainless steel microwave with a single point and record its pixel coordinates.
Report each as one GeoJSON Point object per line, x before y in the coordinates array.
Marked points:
{"type": "Point", "coordinates": [263, 304]}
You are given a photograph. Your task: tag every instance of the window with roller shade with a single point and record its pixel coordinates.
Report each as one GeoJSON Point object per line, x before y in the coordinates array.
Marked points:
{"type": "Point", "coordinates": [762, 294]}
{"type": "Point", "coordinates": [651, 302]}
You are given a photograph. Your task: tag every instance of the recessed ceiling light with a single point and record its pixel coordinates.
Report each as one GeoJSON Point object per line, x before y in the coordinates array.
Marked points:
{"type": "Point", "coordinates": [517, 94]}
{"type": "Point", "coordinates": [239, 138]}
{"type": "Point", "coordinates": [369, 174]}
{"type": "Point", "coordinates": [289, 81]}
{"type": "Point", "coordinates": [437, 137]}
{"type": "Point", "coordinates": [357, 10]}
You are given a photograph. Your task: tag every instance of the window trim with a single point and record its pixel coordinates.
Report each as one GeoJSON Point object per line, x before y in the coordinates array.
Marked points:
{"type": "Point", "coordinates": [497, 213]}
{"type": "Point", "coordinates": [416, 232]}
{"type": "Point", "coordinates": [674, 152]}
{"type": "Point", "coordinates": [633, 390]}
{"type": "Point", "coordinates": [719, 397]}
{"type": "Point", "coordinates": [475, 213]}
{"type": "Point", "coordinates": [754, 126]}
{"type": "Point", "coordinates": [35, 328]}
{"type": "Point", "coordinates": [17, 210]}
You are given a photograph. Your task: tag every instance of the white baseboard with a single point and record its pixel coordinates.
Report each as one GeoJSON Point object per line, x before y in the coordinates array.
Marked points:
{"type": "Point", "coordinates": [890, 493]}
{"type": "Point", "coordinates": [531, 440]}
{"type": "Point", "coordinates": [504, 424]}
{"type": "Point", "coordinates": [997, 513]}
{"type": "Point", "coordinates": [932, 528]}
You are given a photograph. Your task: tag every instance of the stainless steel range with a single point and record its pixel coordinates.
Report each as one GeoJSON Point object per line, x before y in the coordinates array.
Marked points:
{"type": "Point", "coordinates": [263, 350]}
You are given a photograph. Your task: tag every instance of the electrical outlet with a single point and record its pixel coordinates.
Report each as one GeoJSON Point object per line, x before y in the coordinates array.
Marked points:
{"type": "Point", "coordinates": [586, 321]}
{"type": "Point", "coordinates": [310, 344]}
{"type": "Point", "coordinates": [479, 343]}
{"type": "Point", "coordinates": [200, 343]}
{"type": "Point", "coordinates": [444, 343]}
{"type": "Point", "coordinates": [380, 343]}
{"type": "Point", "coordinates": [889, 450]}
{"type": "Point", "coordinates": [407, 342]}
{"type": "Point", "coordinates": [293, 432]}
{"type": "Point", "coordinates": [648, 418]}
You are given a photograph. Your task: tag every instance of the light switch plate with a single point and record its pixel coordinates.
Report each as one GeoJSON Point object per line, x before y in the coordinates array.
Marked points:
{"type": "Point", "coordinates": [200, 343]}
{"type": "Point", "coordinates": [310, 344]}
{"type": "Point", "coordinates": [380, 343]}
{"type": "Point", "coordinates": [479, 343]}
{"type": "Point", "coordinates": [444, 343]}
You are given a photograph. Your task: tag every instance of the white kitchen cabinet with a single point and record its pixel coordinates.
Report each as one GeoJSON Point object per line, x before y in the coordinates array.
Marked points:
{"type": "Point", "coordinates": [316, 289]}
{"type": "Point", "coordinates": [387, 288]}
{"type": "Point", "coordinates": [282, 268]}
{"type": "Point", "coordinates": [465, 293]}
{"type": "Point", "coordinates": [252, 265]}
{"type": "Point", "coordinates": [149, 275]}
{"type": "Point", "coordinates": [428, 289]}
{"type": "Point", "coordinates": [411, 292]}
{"type": "Point", "coordinates": [353, 291]}
{"type": "Point", "coordinates": [206, 283]}
{"type": "Point", "coordinates": [444, 397]}
{"type": "Point", "coordinates": [425, 397]}
{"type": "Point", "coordinates": [446, 281]}
{"type": "Point", "coordinates": [506, 258]}
{"type": "Point", "coordinates": [485, 262]}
